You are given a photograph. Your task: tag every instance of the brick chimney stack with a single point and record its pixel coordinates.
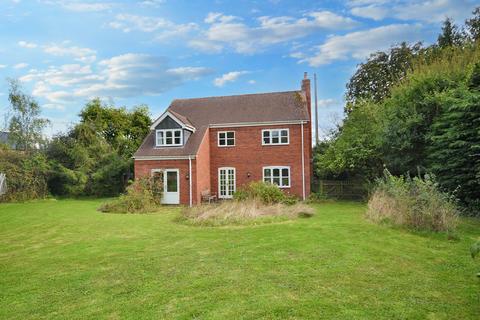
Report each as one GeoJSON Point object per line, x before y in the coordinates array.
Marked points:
{"type": "Point", "coordinates": [306, 90]}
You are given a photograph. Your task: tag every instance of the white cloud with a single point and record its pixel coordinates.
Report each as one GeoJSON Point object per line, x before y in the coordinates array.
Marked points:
{"type": "Point", "coordinates": [252, 81]}
{"type": "Point", "coordinates": [25, 44]}
{"type": "Point", "coordinates": [435, 10]}
{"type": "Point", "coordinates": [3, 66]}
{"type": "Point", "coordinates": [53, 106]}
{"type": "Point", "coordinates": [228, 77]}
{"type": "Point", "coordinates": [324, 103]}
{"type": "Point", "coordinates": [372, 12]}
{"type": "Point", "coordinates": [360, 44]}
{"type": "Point", "coordinates": [205, 46]}
{"type": "Point", "coordinates": [152, 3]}
{"type": "Point", "coordinates": [20, 65]}
{"type": "Point", "coordinates": [80, 6]}
{"type": "Point", "coordinates": [432, 11]}
{"type": "Point", "coordinates": [85, 55]}
{"type": "Point", "coordinates": [162, 27]}
{"type": "Point", "coordinates": [126, 75]}
{"type": "Point", "coordinates": [231, 31]}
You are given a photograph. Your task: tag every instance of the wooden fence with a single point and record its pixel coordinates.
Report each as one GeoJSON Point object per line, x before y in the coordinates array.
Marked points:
{"type": "Point", "coordinates": [341, 189]}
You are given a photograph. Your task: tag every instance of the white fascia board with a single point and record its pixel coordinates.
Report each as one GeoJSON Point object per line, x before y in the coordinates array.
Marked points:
{"type": "Point", "coordinates": [169, 114]}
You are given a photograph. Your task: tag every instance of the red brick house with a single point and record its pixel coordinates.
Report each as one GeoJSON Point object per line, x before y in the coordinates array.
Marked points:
{"type": "Point", "coordinates": [221, 143]}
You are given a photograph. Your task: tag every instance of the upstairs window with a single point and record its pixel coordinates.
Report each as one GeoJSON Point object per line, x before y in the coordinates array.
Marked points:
{"type": "Point", "coordinates": [226, 138]}
{"type": "Point", "coordinates": [169, 137]}
{"type": "Point", "coordinates": [279, 176]}
{"type": "Point", "coordinates": [275, 136]}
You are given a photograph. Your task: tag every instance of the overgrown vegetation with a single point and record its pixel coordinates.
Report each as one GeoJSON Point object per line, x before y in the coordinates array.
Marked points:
{"type": "Point", "coordinates": [92, 159]}
{"type": "Point", "coordinates": [422, 117]}
{"type": "Point", "coordinates": [27, 175]}
{"type": "Point", "coordinates": [265, 193]}
{"type": "Point", "coordinates": [142, 196]}
{"type": "Point", "coordinates": [243, 212]}
{"type": "Point", "coordinates": [257, 202]}
{"type": "Point", "coordinates": [416, 203]}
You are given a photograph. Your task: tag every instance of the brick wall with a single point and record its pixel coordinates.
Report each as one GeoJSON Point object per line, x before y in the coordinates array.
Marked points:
{"type": "Point", "coordinates": [203, 167]}
{"type": "Point", "coordinates": [144, 167]}
{"type": "Point", "coordinates": [250, 156]}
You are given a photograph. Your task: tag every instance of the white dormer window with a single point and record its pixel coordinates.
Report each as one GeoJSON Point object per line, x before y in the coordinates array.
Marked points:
{"type": "Point", "coordinates": [275, 136]}
{"type": "Point", "coordinates": [169, 137]}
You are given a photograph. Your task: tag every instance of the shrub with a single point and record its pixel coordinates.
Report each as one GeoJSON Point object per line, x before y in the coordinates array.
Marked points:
{"type": "Point", "coordinates": [266, 193]}
{"type": "Point", "coordinates": [412, 202]}
{"type": "Point", "coordinates": [142, 196]}
{"type": "Point", "coordinates": [26, 174]}
{"type": "Point", "coordinates": [247, 211]}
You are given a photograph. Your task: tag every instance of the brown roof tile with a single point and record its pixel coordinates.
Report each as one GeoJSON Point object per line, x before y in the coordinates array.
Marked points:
{"type": "Point", "coordinates": [203, 112]}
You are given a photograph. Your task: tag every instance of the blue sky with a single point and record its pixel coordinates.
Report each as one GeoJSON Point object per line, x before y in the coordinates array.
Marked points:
{"type": "Point", "coordinates": [150, 52]}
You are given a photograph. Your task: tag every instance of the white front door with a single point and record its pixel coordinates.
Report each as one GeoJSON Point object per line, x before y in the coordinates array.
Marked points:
{"type": "Point", "coordinates": [226, 183]}
{"type": "Point", "coordinates": [171, 186]}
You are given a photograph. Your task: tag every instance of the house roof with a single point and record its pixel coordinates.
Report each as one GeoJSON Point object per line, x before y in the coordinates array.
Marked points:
{"type": "Point", "coordinates": [248, 108]}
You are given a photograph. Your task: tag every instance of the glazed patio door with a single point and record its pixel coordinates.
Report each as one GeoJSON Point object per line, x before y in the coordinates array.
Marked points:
{"type": "Point", "coordinates": [226, 183]}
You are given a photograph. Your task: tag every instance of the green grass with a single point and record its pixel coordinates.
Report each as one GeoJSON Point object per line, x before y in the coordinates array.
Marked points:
{"type": "Point", "coordinates": [63, 259]}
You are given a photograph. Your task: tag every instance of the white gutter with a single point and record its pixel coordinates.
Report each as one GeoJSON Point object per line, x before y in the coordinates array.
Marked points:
{"type": "Point", "coordinates": [190, 178]}
{"type": "Point", "coordinates": [254, 124]}
{"type": "Point", "coordinates": [164, 157]}
{"type": "Point", "coordinates": [303, 166]}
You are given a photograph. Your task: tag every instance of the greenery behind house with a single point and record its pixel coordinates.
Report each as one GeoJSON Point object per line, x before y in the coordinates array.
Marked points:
{"type": "Point", "coordinates": [414, 110]}
{"type": "Point", "coordinates": [93, 158]}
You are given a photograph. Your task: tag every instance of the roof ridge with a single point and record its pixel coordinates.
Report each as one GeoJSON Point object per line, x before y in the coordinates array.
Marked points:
{"type": "Point", "coordinates": [236, 95]}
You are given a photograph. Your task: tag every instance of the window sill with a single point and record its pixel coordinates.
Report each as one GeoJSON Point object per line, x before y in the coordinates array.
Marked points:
{"type": "Point", "coordinates": [174, 146]}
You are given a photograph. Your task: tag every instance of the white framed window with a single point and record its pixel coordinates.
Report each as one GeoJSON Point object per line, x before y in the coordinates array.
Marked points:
{"type": "Point", "coordinates": [279, 176]}
{"type": "Point", "coordinates": [226, 138]}
{"type": "Point", "coordinates": [169, 137]}
{"type": "Point", "coordinates": [226, 182]}
{"type": "Point", "coordinates": [275, 136]}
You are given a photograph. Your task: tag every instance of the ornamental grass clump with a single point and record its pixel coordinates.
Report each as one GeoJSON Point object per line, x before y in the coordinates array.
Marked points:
{"type": "Point", "coordinates": [416, 203]}
{"type": "Point", "coordinates": [142, 196]}
{"type": "Point", "coordinates": [255, 203]}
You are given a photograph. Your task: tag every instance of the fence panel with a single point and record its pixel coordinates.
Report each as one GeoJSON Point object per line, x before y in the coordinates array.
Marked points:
{"type": "Point", "coordinates": [342, 189]}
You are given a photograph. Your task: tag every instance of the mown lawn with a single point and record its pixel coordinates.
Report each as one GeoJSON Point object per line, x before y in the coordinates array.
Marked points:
{"type": "Point", "coordinates": [64, 259]}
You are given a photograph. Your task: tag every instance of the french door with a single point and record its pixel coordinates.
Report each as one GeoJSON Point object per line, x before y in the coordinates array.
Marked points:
{"type": "Point", "coordinates": [226, 182]}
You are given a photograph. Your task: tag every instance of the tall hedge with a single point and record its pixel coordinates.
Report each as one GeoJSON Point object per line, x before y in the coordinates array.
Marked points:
{"type": "Point", "coordinates": [26, 174]}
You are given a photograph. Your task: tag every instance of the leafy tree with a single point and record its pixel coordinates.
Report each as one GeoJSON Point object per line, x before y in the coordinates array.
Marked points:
{"type": "Point", "coordinates": [473, 25]}
{"type": "Point", "coordinates": [454, 146]}
{"type": "Point", "coordinates": [450, 35]}
{"type": "Point", "coordinates": [354, 151]}
{"type": "Point", "coordinates": [94, 157]}
{"type": "Point", "coordinates": [374, 78]}
{"type": "Point", "coordinates": [123, 130]}
{"type": "Point", "coordinates": [25, 126]}
{"type": "Point", "coordinates": [406, 119]}
{"type": "Point", "coordinates": [27, 175]}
